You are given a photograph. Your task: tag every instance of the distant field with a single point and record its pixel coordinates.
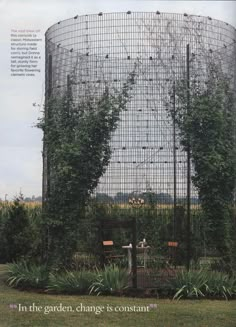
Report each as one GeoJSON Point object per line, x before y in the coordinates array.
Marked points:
{"type": "Point", "coordinates": [123, 206]}
{"type": "Point", "coordinates": [27, 204]}
{"type": "Point", "coordinates": [158, 206]}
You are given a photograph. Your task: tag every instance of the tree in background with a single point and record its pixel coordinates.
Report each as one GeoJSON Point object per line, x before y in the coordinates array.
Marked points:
{"type": "Point", "coordinates": [15, 232]}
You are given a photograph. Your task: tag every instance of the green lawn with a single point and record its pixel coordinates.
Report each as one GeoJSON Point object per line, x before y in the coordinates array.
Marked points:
{"type": "Point", "coordinates": [167, 314]}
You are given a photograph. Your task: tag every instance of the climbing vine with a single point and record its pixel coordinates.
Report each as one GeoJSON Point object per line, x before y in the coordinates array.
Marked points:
{"type": "Point", "coordinates": [207, 125]}
{"type": "Point", "coordinates": [77, 137]}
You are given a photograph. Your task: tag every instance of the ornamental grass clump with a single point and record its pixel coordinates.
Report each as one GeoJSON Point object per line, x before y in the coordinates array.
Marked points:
{"type": "Point", "coordinates": [27, 275]}
{"type": "Point", "coordinates": [220, 285]}
{"type": "Point", "coordinates": [189, 284]}
{"type": "Point", "coordinates": [71, 282]}
{"type": "Point", "coordinates": [111, 280]}
{"type": "Point", "coordinates": [200, 283]}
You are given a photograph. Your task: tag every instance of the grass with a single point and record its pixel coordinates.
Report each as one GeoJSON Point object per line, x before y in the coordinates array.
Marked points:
{"type": "Point", "coordinates": [198, 313]}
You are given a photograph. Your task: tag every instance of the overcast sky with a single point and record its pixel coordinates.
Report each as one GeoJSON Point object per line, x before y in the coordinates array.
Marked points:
{"type": "Point", "coordinates": [20, 142]}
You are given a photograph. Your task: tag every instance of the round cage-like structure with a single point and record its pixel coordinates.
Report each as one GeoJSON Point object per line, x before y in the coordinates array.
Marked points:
{"type": "Point", "coordinates": [99, 49]}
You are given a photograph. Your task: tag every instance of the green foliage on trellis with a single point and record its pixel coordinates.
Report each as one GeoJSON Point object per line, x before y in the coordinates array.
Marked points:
{"type": "Point", "coordinates": [208, 127]}
{"type": "Point", "coordinates": [77, 138]}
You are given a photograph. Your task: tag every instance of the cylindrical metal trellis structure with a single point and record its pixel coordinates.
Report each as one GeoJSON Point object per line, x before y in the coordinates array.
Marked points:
{"type": "Point", "coordinates": [96, 49]}
{"type": "Point", "coordinates": [92, 51]}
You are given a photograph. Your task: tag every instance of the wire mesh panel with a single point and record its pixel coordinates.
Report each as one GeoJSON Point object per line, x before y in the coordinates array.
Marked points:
{"type": "Point", "coordinates": [97, 50]}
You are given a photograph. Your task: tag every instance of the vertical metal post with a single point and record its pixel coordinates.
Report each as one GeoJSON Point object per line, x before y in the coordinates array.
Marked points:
{"type": "Point", "coordinates": [134, 252]}
{"type": "Point", "coordinates": [174, 159]}
{"type": "Point", "coordinates": [68, 95]}
{"type": "Point", "coordinates": [101, 237]}
{"type": "Point", "coordinates": [68, 83]}
{"type": "Point", "coordinates": [188, 171]}
{"type": "Point", "coordinates": [46, 165]}
{"type": "Point", "coordinates": [46, 170]}
{"type": "Point", "coordinates": [49, 76]}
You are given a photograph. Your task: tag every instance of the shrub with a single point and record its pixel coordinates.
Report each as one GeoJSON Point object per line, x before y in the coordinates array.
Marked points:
{"type": "Point", "coordinates": [157, 262]}
{"type": "Point", "coordinates": [20, 230]}
{"type": "Point", "coordinates": [112, 280]}
{"type": "Point", "coordinates": [15, 232]}
{"type": "Point", "coordinates": [71, 282]}
{"type": "Point", "coordinates": [81, 261]}
{"type": "Point", "coordinates": [23, 274]}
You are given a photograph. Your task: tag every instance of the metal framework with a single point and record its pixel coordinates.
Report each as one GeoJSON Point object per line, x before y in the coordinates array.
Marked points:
{"type": "Point", "coordinates": [94, 50]}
